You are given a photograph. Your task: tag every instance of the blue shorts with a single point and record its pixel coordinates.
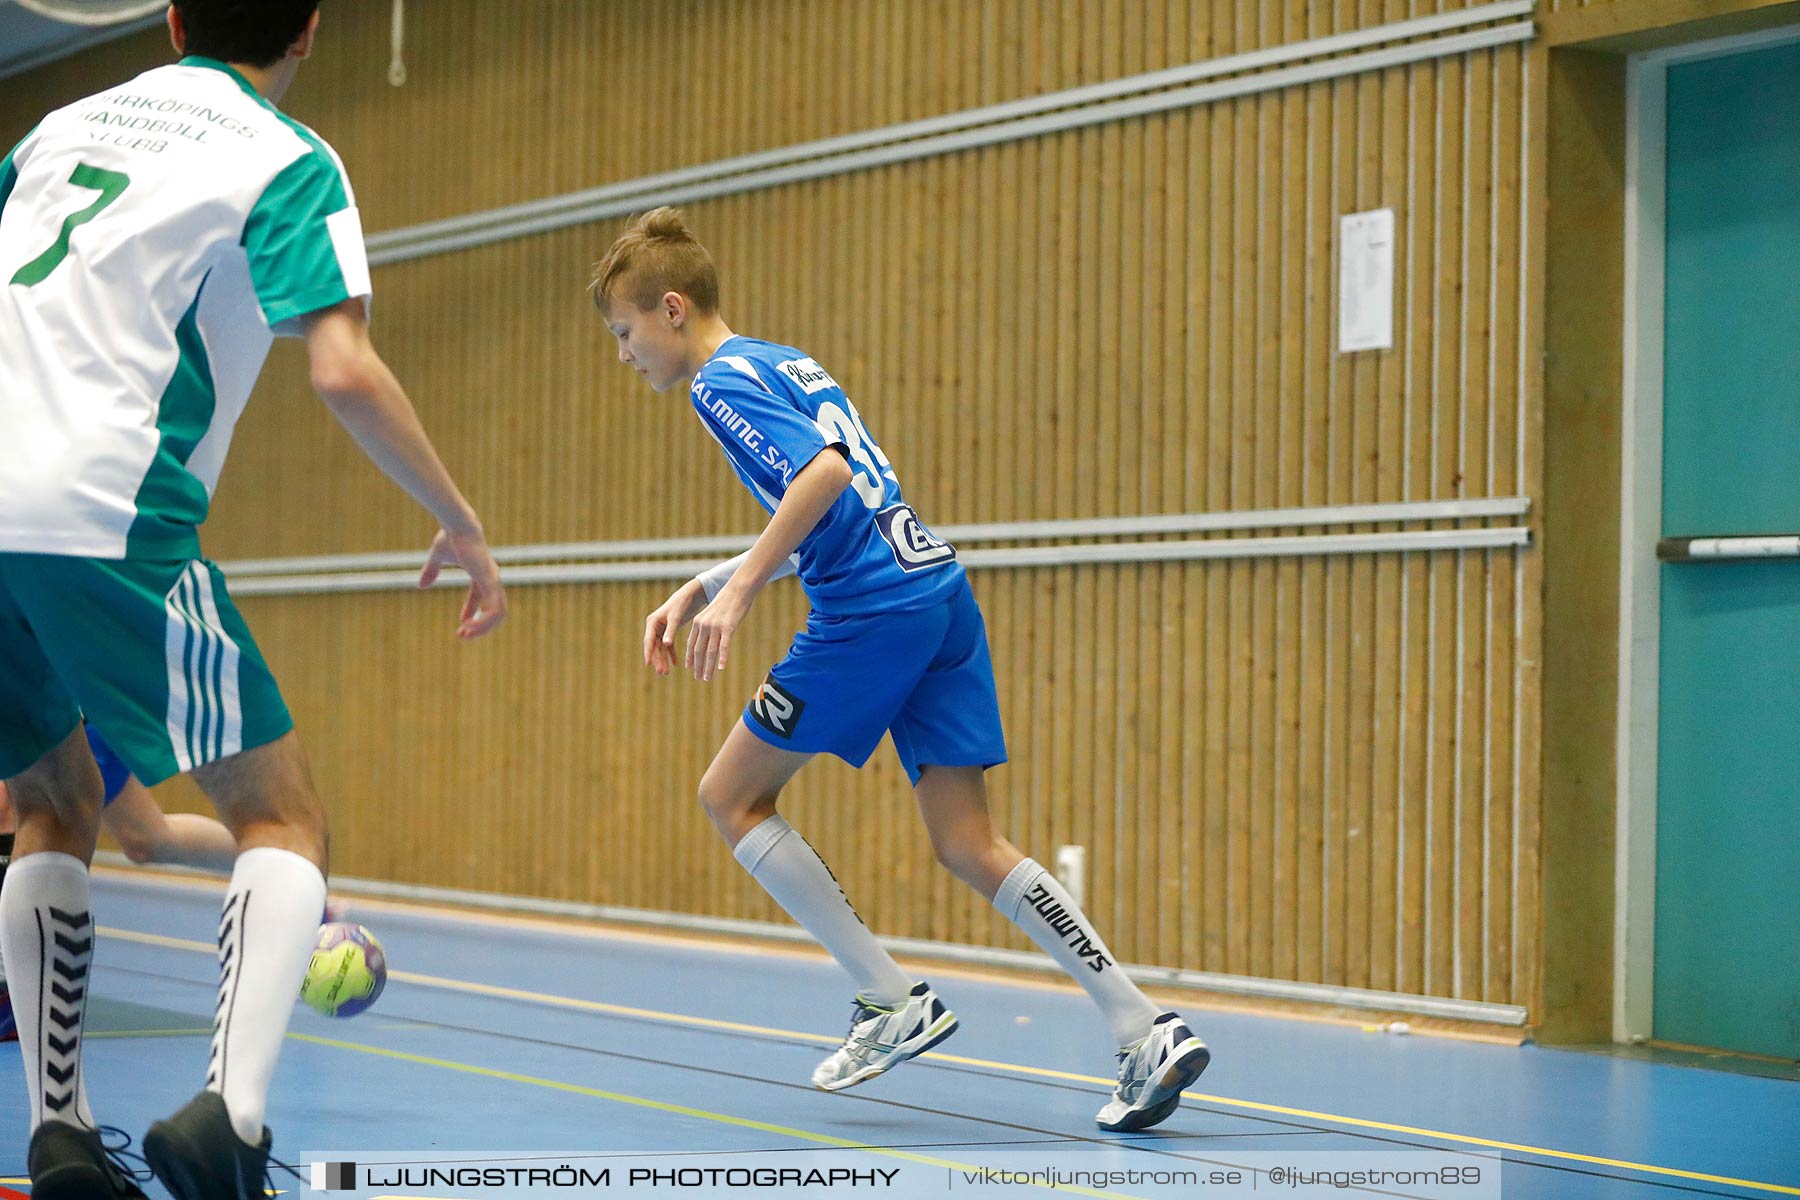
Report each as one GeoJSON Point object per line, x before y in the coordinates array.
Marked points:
{"type": "Point", "coordinates": [113, 771]}
{"type": "Point", "coordinates": [923, 676]}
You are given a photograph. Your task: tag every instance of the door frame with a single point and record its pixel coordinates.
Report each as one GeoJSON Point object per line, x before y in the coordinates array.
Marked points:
{"type": "Point", "coordinates": [1640, 519]}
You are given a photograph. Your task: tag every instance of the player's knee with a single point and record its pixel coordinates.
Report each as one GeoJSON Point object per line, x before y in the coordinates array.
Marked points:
{"type": "Point", "coordinates": [952, 853]}
{"type": "Point", "coordinates": [720, 798]}
{"type": "Point", "coordinates": [722, 804]}
{"type": "Point", "coordinates": [733, 810]}
{"type": "Point", "coordinates": [965, 855]}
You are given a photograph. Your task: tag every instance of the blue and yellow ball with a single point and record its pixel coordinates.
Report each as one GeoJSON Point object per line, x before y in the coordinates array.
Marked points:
{"type": "Point", "coordinates": [347, 972]}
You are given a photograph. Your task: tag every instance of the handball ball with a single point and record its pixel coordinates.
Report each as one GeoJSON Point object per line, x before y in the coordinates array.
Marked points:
{"type": "Point", "coordinates": [347, 972]}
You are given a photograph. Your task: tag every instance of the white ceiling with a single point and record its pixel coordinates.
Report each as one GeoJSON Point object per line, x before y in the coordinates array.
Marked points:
{"type": "Point", "coordinates": [27, 39]}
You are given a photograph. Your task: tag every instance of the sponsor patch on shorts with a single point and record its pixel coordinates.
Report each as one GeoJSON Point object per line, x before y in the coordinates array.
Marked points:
{"type": "Point", "coordinates": [776, 710]}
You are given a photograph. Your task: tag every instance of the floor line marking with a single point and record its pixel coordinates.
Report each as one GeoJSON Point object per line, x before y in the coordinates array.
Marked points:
{"type": "Point", "coordinates": [757, 944]}
{"type": "Point", "coordinates": [824, 1139]}
{"type": "Point", "coordinates": [553, 1000]}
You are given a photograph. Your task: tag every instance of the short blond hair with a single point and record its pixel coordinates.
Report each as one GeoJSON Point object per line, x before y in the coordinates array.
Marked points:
{"type": "Point", "coordinates": [654, 256]}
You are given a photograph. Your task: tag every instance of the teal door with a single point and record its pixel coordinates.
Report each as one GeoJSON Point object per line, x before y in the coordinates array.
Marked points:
{"type": "Point", "coordinates": [1728, 786]}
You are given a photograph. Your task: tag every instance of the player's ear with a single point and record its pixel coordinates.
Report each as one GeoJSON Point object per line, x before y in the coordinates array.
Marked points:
{"type": "Point", "coordinates": [303, 45]}
{"type": "Point", "coordinates": [675, 307]}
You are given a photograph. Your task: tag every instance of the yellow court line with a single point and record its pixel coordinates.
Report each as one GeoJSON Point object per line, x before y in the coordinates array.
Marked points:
{"type": "Point", "coordinates": [547, 998]}
{"type": "Point", "coordinates": [823, 1139]}
{"type": "Point", "coordinates": [758, 945]}
{"type": "Point", "coordinates": [506, 993]}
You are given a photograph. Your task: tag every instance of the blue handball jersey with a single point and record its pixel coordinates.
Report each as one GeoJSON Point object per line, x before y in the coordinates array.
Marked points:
{"type": "Point", "coordinates": [773, 410]}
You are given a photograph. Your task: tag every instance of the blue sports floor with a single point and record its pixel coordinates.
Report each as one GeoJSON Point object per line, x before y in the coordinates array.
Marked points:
{"type": "Point", "coordinates": [593, 1049]}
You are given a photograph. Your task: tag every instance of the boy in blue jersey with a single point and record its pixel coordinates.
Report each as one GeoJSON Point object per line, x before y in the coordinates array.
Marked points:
{"type": "Point", "coordinates": [894, 644]}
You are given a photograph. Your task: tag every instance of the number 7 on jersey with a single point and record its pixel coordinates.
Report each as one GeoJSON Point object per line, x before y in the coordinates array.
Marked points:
{"type": "Point", "coordinates": [110, 184]}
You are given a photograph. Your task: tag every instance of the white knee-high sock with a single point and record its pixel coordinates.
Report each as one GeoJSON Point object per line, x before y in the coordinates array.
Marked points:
{"type": "Point", "coordinates": [791, 871]}
{"type": "Point", "coordinates": [6, 847]}
{"type": "Point", "coordinates": [266, 936]}
{"type": "Point", "coordinates": [1031, 898]}
{"type": "Point", "coordinates": [47, 940]}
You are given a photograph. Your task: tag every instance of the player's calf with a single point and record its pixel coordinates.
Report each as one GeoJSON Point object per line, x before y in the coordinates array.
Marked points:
{"type": "Point", "coordinates": [56, 801]}
{"type": "Point", "coordinates": [265, 796]}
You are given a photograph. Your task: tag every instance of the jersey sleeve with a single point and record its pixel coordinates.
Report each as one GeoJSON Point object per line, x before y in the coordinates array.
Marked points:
{"type": "Point", "coordinates": [305, 244]}
{"type": "Point", "coordinates": [766, 437]}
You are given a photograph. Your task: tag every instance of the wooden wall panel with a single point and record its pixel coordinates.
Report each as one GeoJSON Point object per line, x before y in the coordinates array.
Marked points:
{"type": "Point", "coordinates": [633, 87]}
{"type": "Point", "coordinates": [551, 764]}
{"type": "Point", "coordinates": [1319, 769]}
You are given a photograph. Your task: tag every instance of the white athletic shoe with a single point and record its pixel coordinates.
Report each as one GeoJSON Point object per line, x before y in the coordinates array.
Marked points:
{"type": "Point", "coordinates": [882, 1038]}
{"type": "Point", "coordinates": [1152, 1073]}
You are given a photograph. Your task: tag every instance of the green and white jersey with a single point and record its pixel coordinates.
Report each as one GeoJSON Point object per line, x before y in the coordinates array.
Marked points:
{"type": "Point", "coordinates": [154, 239]}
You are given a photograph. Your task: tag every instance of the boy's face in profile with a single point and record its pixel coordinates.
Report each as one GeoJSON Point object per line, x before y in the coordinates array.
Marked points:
{"type": "Point", "coordinates": [651, 341]}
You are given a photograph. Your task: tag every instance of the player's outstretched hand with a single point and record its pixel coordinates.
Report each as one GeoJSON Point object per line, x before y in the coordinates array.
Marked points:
{"type": "Point", "coordinates": [485, 607]}
{"type": "Point", "coordinates": [709, 641]}
{"type": "Point", "coordinates": [660, 626]}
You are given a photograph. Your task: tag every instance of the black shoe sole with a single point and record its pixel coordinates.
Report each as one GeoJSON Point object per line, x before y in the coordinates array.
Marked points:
{"type": "Point", "coordinates": [74, 1181]}
{"type": "Point", "coordinates": [173, 1157]}
{"type": "Point", "coordinates": [1176, 1078]}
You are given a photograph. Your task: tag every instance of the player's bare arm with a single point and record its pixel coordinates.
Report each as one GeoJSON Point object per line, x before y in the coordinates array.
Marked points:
{"type": "Point", "coordinates": [814, 490]}
{"type": "Point", "coordinates": [370, 404]}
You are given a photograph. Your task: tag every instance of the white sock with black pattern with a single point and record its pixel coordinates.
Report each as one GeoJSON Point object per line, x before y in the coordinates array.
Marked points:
{"type": "Point", "coordinates": [1031, 898]}
{"type": "Point", "coordinates": [267, 931]}
{"type": "Point", "coordinates": [47, 939]}
{"type": "Point", "coordinates": [6, 849]}
{"type": "Point", "coordinates": [791, 871]}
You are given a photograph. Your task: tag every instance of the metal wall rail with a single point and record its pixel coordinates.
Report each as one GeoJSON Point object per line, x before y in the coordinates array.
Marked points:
{"type": "Point", "coordinates": [675, 569]}
{"type": "Point", "coordinates": [725, 545]}
{"type": "Point", "coordinates": [1726, 549]}
{"type": "Point", "coordinates": [1291, 65]}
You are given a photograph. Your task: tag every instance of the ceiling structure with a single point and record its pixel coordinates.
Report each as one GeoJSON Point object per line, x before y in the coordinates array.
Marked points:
{"type": "Point", "coordinates": [28, 40]}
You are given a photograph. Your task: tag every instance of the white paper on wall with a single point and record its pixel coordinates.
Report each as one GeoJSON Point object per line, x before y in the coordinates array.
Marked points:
{"type": "Point", "coordinates": [1366, 281]}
